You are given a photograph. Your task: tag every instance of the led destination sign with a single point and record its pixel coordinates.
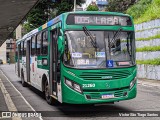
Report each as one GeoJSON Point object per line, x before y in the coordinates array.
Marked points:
{"type": "Point", "coordinates": [98, 20]}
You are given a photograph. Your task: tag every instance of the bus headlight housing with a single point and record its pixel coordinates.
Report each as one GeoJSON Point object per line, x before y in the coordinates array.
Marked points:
{"type": "Point", "coordinates": [73, 85]}
{"type": "Point", "coordinates": [133, 82]}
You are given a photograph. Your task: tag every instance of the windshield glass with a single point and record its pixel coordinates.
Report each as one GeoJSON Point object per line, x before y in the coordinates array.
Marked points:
{"type": "Point", "coordinates": [99, 49]}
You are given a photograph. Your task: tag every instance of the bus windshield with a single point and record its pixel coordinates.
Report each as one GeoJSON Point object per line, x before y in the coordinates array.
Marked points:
{"type": "Point", "coordinates": [92, 49]}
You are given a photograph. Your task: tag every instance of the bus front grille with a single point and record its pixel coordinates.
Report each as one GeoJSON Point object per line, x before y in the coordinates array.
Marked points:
{"type": "Point", "coordinates": [109, 75]}
{"type": "Point", "coordinates": [117, 94]}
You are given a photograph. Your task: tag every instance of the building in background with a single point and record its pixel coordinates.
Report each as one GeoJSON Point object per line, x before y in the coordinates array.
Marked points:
{"type": "Point", "coordinates": [10, 49]}
{"type": "Point", "coordinates": [101, 4]}
{"type": "Point", "coordinates": [3, 52]}
{"type": "Point", "coordinates": [7, 50]}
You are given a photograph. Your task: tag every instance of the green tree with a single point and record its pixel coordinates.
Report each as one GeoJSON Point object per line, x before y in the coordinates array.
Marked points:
{"type": "Point", "coordinates": [46, 10]}
{"type": "Point", "coordinates": [66, 5]}
{"type": "Point", "coordinates": [38, 16]}
{"type": "Point", "coordinates": [119, 5]}
{"type": "Point", "coordinates": [139, 8]}
{"type": "Point", "coordinates": [92, 7]}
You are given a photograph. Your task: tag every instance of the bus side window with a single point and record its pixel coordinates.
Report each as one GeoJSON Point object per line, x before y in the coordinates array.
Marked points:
{"type": "Point", "coordinates": [39, 40]}
{"type": "Point", "coordinates": [24, 47]}
{"type": "Point", "coordinates": [21, 50]}
{"type": "Point", "coordinates": [33, 44]}
{"type": "Point", "coordinates": [16, 50]}
{"type": "Point", "coordinates": [44, 43]}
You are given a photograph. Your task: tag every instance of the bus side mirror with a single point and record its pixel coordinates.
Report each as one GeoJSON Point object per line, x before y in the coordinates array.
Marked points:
{"type": "Point", "coordinates": [60, 44]}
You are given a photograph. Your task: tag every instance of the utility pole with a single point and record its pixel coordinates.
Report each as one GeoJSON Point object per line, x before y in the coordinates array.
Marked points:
{"type": "Point", "coordinates": [74, 5]}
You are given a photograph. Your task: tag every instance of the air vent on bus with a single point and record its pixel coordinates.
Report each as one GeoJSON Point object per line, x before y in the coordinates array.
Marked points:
{"type": "Point", "coordinates": [108, 75]}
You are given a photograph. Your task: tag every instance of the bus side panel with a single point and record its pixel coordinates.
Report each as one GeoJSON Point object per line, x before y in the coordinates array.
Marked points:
{"type": "Point", "coordinates": [40, 71]}
{"type": "Point", "coordinates": [24, 68]}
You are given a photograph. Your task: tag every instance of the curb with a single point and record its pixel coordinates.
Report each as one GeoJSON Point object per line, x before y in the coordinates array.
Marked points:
{"type": "Point", "coordinates": [149, 83]}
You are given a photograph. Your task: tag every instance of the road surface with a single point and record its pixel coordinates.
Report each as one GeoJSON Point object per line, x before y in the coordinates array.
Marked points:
{"type": "Point", "coordinates": [30, 99]}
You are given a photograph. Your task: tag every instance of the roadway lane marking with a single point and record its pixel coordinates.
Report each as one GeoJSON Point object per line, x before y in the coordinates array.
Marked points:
{"type": "Point", "coordinates": [8, 100]}
{"type": "Point", "coordinates": [20, 94]}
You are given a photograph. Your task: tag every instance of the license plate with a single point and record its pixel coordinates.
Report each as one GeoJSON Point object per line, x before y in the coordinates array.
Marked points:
{"type": "Point", "coordinates": [106, 96]}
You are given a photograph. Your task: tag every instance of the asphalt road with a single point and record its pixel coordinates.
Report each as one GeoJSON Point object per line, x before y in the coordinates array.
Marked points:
{"type": "Point", "coordinates": [30, 99]}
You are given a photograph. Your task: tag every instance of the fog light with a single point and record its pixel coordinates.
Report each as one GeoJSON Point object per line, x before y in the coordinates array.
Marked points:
{"type": "Point", "coordinates": [133, 82]}
{"type": "Point", "coordinates": [88, 96]}
{"type": "Point", "coordinates": [77, 87]}
{"type": "Point", "coordinates": [125, 94]}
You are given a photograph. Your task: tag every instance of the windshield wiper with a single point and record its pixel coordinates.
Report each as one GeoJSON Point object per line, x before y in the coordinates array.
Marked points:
{"type": "Point", "coordinates": [128, 46]}
{"type": "Point", "coordinates": [87, 32]}
{"type": "Point", "coordinates": [113, 41]}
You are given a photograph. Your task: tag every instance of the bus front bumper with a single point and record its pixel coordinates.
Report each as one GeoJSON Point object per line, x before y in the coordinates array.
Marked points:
{"type": "Point", "coordinates": [74, 97]}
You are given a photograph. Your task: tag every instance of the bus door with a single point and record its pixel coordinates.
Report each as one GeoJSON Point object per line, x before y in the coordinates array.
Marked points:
{"type": "Point", "coordinates": [33, 61]}
{"type": "Point", "coordinates": [18, 59]}
{"type": "Point", "coordinates": [53, 62]}
{"type": "Point", "coordinates": [28, 60]}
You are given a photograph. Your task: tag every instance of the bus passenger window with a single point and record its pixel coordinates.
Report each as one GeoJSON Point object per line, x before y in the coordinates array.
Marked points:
{"type": "Point", "coordinates": [24, 48]}
{"type": "Point", "coordinates": [44, 43]}
{"type": "Point", "coordinates": [21, 50]}
{"type": "Point", "coordinates": [16, 54]}
{"type": "Point", "coordinates": [39, 38]}
{"type": "Point", "coordinates": [33, 49]}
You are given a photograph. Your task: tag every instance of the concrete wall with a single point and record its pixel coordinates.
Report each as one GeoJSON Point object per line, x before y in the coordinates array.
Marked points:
{"type": "Point", "coordinates": [149, 72]}
{"type": "Point", "coordinates": [147, 55]}
{"type": "Point", "coordinates": [145, 30]}
{"type": "Point", "coordinates": [154, 42]}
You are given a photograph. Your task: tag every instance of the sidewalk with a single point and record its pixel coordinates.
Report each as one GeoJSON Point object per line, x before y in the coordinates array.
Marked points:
{"type": "Point", "coordinates": [3, 105]}
{"type": "Point", "coordinates": [149, 83]}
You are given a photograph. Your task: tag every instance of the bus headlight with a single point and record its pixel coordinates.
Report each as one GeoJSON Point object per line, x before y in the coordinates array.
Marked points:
{"type": "Point", "coordinates": [73, 85]}
{"type": "Point", "coordinates": [68, 82]}
{"type": "Point", "coordinates": [133, 82]}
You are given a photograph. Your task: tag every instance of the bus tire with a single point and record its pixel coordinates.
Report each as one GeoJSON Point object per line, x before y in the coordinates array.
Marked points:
{"type": "Point", "coordinates": [24, 84]}
{"type": "Point", "coordinates": [49, 99]}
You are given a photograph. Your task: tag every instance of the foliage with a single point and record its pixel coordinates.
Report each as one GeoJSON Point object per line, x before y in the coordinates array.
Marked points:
{"type": "Point", "coordinates": [145, 10]}
{"type": "Point", "coordinates": [139, 8]}
{"type": "Point", "coordinates": [38, 15]}
{"type": "Point", "coordinates": [152, 13]}
{"type": "Point", "coordinates": [147, 29]}
{"type": "Point", "coordinates": [92, 7]}
{"type": "Point", "coordinates": [119, 5]}
{"type": "Point", "coordinates": [148, 48]}
{"type": "Point", "coordinates": [66, 5]}
{"type": "Point", "coordinates": [149, 38]}
{"type": "Point", "coordinates": [149, 62]}
{"type": "Point", "coordinates": [46, 10]}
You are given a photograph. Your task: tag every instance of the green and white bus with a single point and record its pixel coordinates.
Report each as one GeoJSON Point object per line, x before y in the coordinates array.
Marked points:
{"type": "Point", "coordinates": [80, 58]}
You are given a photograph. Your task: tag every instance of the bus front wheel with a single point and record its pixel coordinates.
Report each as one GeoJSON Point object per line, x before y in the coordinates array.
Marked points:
{"type": "Point", "coordinates": [49, 99]}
